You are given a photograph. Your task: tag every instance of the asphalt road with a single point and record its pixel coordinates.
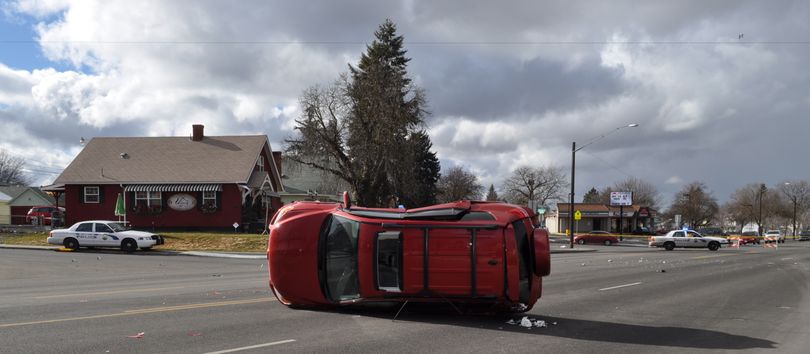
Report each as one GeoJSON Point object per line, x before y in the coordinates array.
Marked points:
{"type": "Point", "coordinates": [616, 300]}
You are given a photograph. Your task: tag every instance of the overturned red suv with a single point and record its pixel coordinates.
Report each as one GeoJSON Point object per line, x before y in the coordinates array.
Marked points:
{"type": "Point", "coordinates": [467, 252]}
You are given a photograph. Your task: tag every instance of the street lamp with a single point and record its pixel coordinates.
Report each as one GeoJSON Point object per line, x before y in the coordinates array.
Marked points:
{"type": "Point", "coordinates": [574, 150]}
{"type": "Point", "coordinates": [793, 199]}
{"type": "Point", "coordinates": [761, 192]}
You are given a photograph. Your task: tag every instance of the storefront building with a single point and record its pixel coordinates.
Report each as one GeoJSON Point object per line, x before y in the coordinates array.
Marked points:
{"type": "Point", "coordinates": [613, 219]}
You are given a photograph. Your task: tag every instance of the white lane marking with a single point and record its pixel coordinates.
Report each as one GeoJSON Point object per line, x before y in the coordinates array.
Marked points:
{"type": "Point", "coordinates": [253, 347]}
{"type": "Point", "coordinates": [619, 286]}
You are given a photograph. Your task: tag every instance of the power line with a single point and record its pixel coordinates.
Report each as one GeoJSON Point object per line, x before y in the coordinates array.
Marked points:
{"type": "Point", "coordinates": [414, 43]}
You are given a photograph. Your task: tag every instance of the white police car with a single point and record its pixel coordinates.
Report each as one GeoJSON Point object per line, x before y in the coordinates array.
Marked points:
{"type": "Point", "coordinates": [686, 239]}
{"type": "Point", "coordinates": [100, 233]}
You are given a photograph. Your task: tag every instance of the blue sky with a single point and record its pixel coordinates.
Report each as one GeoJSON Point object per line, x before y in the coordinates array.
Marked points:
{"type": "Point", "coordinates": [20, 49]}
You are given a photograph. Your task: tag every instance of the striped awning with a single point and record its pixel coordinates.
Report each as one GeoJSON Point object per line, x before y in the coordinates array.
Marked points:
{"type": "Point", "coordinates": [173, 188]}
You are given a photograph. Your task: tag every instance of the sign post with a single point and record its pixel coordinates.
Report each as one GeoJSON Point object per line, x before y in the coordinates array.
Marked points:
{"type": "Point", "coordinates": [621, 199]}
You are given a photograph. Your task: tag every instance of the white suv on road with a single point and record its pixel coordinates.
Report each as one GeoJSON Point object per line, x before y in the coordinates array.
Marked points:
{"type": "Point", "coordinates": [776, 234]}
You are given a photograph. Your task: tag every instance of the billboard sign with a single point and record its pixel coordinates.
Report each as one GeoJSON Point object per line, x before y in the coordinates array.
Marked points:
{"type": "Point", "coordinates": [621, 198]}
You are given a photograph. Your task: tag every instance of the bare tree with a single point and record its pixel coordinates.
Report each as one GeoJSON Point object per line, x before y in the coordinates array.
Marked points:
{"type": "Point", "coordinates": [537, 186]}
{"type": "Point", "coordinates": [696, 203]}
{"type": "Point", "coordinates": [459, 184]}
{"type": "Point", "coordinates": [11, 169]}
{"type": "Point", "coordinates": [754, 202]}
{"type": "Point", "coordinates": [798, 195]}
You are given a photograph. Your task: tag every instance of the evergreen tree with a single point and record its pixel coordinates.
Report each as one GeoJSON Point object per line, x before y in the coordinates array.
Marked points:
{"type": "Point", "coordinates": [368, 129]}
{"type": "Point", "coordinates": [492, 195]}
{"type": "Point", "coordinates": [417, 184]}
{"type": "Point", "coordinates": [592, 196]}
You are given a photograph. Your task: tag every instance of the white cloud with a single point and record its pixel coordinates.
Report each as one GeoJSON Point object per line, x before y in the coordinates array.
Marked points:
{"type": "Point", "coordinates": [509, 83]}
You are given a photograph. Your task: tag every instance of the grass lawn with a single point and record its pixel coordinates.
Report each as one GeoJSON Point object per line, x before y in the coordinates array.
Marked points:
{"type": "Point", "coordinates": [175, 241]}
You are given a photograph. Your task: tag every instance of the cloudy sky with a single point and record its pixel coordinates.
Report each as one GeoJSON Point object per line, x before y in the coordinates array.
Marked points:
{"type": "Point", "coordinates": [720, 89]}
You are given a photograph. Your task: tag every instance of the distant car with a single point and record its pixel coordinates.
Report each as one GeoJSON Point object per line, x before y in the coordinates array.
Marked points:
{"type": "Point", "coordinates": [471, 253]}
{"type": "Point", "coordinates": [777, 235]}
{"type": "Point", "coordinates": [749, 237]}
{"type": "Point", "coordinates": [43, 215]}
{"type": "Point", "coordinates": [687, 239]}
{"type": "Point", "coordinates": [804, 235]}
{"type": "Point", "coordinates": [597, 236]}
{"type": "Point", "coordinates": [99, 233]}
{"type": "Point", "coordinates": [643, 231]}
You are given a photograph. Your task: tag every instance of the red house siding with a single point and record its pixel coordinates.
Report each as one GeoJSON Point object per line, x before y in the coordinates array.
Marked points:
{"type": "Point", "coordinates": [229, 211]}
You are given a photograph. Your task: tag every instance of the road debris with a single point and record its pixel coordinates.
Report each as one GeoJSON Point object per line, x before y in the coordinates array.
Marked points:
{"type": "Point", "coordinates": [194, 334]}
{"type": "Point", "coordinates": [137, 336]}
{"type": "Point", "coordinates": [528, 322]}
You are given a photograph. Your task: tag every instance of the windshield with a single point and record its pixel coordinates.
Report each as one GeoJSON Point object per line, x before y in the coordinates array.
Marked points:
{"type": "Point", "coordinates": [116, 227]}
{"type": "Point", "coordinates": [339, 246]}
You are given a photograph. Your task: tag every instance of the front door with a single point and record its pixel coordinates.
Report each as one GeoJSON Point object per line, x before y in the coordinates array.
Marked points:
{"type": "Point", "coordinates": [105, 236]}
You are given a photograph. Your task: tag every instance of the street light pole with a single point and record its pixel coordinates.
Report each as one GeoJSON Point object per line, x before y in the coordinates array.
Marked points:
{"type": "Point", "coordinates": [571, 204]}
{"type": "Point", "coordinates": [761, 192]}
{"type": "Point", "coordinates": [795, 201]}
{"type": "Point", "coordinates": [574, 150]}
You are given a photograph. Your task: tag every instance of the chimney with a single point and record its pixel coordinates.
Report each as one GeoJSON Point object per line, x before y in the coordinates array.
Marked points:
{"type": "Point", "coordinates": [197, 132]}
{"type": "Point", "coordinates": [277, 161]}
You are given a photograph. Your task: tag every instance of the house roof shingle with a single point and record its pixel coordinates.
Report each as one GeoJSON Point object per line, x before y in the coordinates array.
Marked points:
{"type": "Point", "coordinates": [215, 159]}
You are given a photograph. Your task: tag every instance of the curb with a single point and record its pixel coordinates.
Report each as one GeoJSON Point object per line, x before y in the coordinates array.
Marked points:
{"type": "Point", "coordinates": [223, 255]}
{"type": "Point", "coordinates": [26, 247]}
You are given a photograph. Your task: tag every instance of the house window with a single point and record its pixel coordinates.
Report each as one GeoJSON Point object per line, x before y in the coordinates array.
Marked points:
{"type": "Point", "coordinates": [148, 199]}
{"type": "Point", "coordinates": [91, 194]}
{"type": "Point", "coordinates": [209, 198]}
{"type": "Point", "coordinates": [260, 164]}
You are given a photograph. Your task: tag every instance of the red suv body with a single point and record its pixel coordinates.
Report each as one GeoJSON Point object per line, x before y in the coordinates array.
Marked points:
{"type": "Point", "coordinates": [325, 254]}
{"type": "Point", "coordinates": [43, 215]}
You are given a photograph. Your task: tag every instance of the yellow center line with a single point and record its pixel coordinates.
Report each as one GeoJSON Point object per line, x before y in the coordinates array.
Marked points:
{"type": "Point", "coordinates": [108, 292]}
{"type": "Point", "coordinates": [142, 311]}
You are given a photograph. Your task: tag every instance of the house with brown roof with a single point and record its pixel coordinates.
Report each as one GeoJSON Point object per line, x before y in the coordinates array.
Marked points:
{"type": "Point", "coordinates": [174, 182]}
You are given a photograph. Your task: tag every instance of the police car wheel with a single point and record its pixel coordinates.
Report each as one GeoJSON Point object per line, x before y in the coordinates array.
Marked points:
{"type": "Point", "coordinates": [71, 243]}
{"type": "Point", "coordinates": [129, 245]}
{"type": "Point", "coordinates": [714, 246]}
{"type": "Point", "coordinates": [669, 246]}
